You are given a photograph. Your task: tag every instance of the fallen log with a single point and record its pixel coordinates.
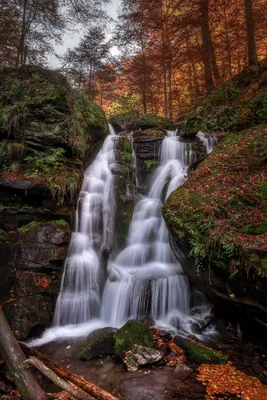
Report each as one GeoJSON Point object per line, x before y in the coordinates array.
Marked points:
{"type": "Point", "coordinates": [24, 378]}
{"type": "Point", "coordinates": [79, 381]}
{"type": "Point", "coordinates": [61, 383]}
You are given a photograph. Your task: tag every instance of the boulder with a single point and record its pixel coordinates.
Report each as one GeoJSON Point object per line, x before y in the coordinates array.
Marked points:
{"type": "Point", "coordinates": [132, 121]}
{"type": "Point", "coordinates": [131, 334]}
{"type": "Point", "coordinates": [198, 352]}
{"type": "Point", "coordinates": [100, 342]}
{"type": "Point", "coordinates": [140, 355]}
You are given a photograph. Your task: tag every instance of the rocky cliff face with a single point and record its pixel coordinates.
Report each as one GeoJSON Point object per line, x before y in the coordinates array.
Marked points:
{"type": "Point", "coordinates": [218, 224]}
{"type": "Point", "coordinates": [47, 133]}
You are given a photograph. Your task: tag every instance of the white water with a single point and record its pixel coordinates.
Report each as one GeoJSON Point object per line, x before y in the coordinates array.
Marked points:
{"type": "Point", "coordinates": [145, 277]}
{"type": "Point", "coordinates": [209, 141]}
{"type": "Point", "coordinates": [80, 293]}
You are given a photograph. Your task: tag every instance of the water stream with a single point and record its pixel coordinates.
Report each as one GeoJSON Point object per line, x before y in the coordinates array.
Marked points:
{"type": "Point", "coordinates": [144, 278]}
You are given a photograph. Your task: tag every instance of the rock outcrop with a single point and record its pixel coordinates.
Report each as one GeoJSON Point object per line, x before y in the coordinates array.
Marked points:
{"type": "Point", "coordinates": [47, 133]}
{"type": "Point", "coordinates": [218, 225]}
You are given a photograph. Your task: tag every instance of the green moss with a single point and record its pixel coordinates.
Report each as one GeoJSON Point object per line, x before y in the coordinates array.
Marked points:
{"type": "Point", "coordinates": [61, 222]}
{"type": "Point", "coordinates": [25, 228]}
{"type": "Point", "coordinates": [263, 191]}
{"type": "Point", "coordinates": [196, 121]}
{"type": "Point", "coordinates": [149, 164]}
{"type": "Point", "coordinates": [3, 236]}
{"type": "Point", "coordinates": [256, 230]}
{"type": "Point", "coordinates": [262, 268]}
{"type": "Point", "coordinates": [130, 334]}
{"type": "Point", "coordinates": [101, 344]}
{"type": "Point", "coordinates": [157, 121]}
{"type": "Point", "coordinates": [203, 355]}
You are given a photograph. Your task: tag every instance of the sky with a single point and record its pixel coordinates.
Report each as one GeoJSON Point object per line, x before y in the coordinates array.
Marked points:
{"type": "Point", "coordinates": [70, 40]}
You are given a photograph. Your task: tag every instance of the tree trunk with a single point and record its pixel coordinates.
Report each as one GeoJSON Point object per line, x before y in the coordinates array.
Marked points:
{"type": "Point", "coordinates": [229, 56]}
{"type": "Point", "coordinates": [206, 54]}
{"type": "Point", "coordinates": [14, 357]}
{"type": "Point", "coordinates": [250, 28]}
{"type": "Point", "coordinates": [214, 65]}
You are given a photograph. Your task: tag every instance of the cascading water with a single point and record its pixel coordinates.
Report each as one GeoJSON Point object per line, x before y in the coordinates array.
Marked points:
{"type": "Point", "coordinates": [145, 277]}
{"type": "Point", "coordinates": [79, 298]}
{"type": "Point", "coordinates": [208, 140]}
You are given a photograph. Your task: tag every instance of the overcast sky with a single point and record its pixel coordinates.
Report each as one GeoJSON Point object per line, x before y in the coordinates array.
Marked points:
{"type": "Point", "coordinates": [70, 40]}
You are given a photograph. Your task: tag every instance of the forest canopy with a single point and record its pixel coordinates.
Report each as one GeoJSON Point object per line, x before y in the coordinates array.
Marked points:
{"type": "Point", "coordinates": [171, 52]}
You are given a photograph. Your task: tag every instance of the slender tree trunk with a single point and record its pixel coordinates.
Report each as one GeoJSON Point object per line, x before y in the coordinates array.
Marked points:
{"type": "Point", "coordinates": [204, 9]}
{"type": "Point", "coordinates": [14, 357]}
{"type": "Point", "coordinates": [229, 56]}
{"type": "Point", "coordinates": [195, 78]}
{"type": "Point", "coordinates": [250, 27]}
{"type": "Point", "coordinates": [170, 90]}
{"type": "Point", "coordinates": [165, 89]}
{"type": "Point", "coordinates": [20, 51]}
{"type": "Point", "coordinates": [214, 65]}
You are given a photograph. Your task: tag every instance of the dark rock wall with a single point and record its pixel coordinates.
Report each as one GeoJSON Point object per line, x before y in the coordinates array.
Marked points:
{"type": "Point", "coordinates": [47, 135]}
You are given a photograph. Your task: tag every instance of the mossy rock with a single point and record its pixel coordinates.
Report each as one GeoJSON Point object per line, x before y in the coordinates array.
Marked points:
{"type": "Point", "coordinates": [195, 123]}
{"type": "Point", "coordinates": [47, 130]}
{"type": "Point", "coordinates": [126, 120]}
{"type": "Point", "coordinates": [200, 353]}
{"type": "Point", "coordinates": [133, 121]}
{"type": "Point", "coordinates": [132, 333]}
{"type": "Point", "coordinates": [100, 342]}
{"type": "Point", "coordinates": [156, 121]}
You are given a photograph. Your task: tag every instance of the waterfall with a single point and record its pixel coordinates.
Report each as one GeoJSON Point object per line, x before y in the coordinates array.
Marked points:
{"type": "Point", "coordinates": [209, 141]}
{"type": "Point", "coordinates": [145, 278]}
{"type": "Point", "coordinates": [79, 297]}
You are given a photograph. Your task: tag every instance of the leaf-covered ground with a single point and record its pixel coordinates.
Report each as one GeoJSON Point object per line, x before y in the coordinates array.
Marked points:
{"type": "Point", "coordinates": [222, 209]}
{"type": "Point", "coordinates": [222, 381]}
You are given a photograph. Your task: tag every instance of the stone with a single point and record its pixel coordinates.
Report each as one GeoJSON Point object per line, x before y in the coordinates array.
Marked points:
{"type": "Point", "coordinates": [198, 352]}
{"type": "Point", "coordinates": [140, 355]}
{"type": "Point", "coordinates": [100, 342]}
{"type": "Point", "coordinates": [131, 334]}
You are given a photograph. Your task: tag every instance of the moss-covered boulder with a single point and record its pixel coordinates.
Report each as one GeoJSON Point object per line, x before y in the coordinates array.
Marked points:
{"type": "Point", "coordinates": [132, 120]}
{"type": "Point", "coordinates": [217, 221]}
{"type": "Point", "coordinates": [155, 121]}
{"type": "Point", "coordinates": [200, 353]}
{"type": "Point", "coordinates": [131, 334]}
{"type": "Point", "coordinates": [100, 342]}
{"type": "Point", "coordinates": [194, 123]}
{"type": "Point", "coordinates": [125, 121]}
{"type": "Point", "coordinates": [47, 129]}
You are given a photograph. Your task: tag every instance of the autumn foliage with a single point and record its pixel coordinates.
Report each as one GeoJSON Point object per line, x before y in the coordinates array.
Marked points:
{"type": "Point", "coordinates": [222, 381]}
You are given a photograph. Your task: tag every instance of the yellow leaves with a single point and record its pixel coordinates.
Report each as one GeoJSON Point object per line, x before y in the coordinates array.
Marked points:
{"type": "Point", "coordinates": [226, 379]}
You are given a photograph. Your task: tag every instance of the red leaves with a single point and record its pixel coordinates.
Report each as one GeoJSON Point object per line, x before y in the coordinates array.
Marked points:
{"type": "Point", "coordinates": [43, 281]}
{"type": "Point", "coordinates": [11, 177]}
